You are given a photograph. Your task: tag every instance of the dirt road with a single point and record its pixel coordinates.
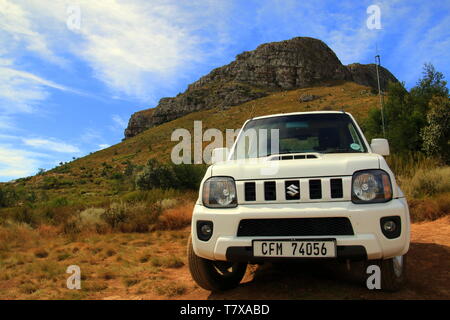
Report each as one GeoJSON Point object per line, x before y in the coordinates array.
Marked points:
{"type": "Point", "coordinates": [428, 275]}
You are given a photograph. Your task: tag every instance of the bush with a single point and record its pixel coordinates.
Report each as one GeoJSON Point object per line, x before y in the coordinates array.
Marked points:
{"type": "Point", "coordinates": [8, 197]}
{"type": "Point", "coordinates": [156, 175]}
{"type": "Point", "coordinates": [138, 217]}
{"type": "Point", "coordinates": [59, 202]}
{"type": "Point", "coordinates": [166, 176]}
{"type": "Point", "coordinates": [91, 220]}
{"type": "Point", "coordinates": [25, 215]}
{"type": "Point", "coordinates": [3, 202]}
{"type": "Point", "coordinates": [436, 135]}
{"type": "Point", "coordinates": [50, 182]}
{"type": "Point", "coordinates": [189, 176]}
{"type": "Point", "coordinates": [176, 218]}
{"type": "Point", "coordinates": [427, 182]}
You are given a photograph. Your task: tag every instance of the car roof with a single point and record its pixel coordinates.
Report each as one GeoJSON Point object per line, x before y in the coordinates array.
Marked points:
{"type": "Point", "coordinates": [298, 113]}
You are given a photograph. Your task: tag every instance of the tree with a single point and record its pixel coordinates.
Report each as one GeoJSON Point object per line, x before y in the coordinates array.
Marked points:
{"type": "Point", "coordinates": [405, 113]}
{"type": "Point", "coordinates": [430, 85]}
{"type": "Point", "coordinates": [436, 134]}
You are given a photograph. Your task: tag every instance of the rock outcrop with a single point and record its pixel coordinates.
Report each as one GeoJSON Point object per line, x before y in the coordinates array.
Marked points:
{"type": "Point", "coordinates": [366, 74]}
{"type": "Point", "coordinates": [285, 65]}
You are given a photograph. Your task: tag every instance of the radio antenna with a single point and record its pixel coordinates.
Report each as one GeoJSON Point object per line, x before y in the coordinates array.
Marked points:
{"type": "Point", "coordinates": [377, 64]}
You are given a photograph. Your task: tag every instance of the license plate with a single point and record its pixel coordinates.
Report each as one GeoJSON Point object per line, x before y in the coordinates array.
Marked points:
{"type": "Point", "coordinates": [295, 248]}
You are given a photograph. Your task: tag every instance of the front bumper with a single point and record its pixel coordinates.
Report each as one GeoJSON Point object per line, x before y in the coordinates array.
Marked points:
{"type": "Point", "coordinates": [368, 241]}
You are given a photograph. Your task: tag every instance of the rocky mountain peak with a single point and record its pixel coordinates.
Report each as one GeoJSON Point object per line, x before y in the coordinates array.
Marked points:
{"type": "Point", "coordinates": [285, 65]}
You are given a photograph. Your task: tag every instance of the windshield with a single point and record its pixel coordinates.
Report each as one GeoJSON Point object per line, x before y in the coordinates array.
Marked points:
{"type": "Point", "coordinates": [322, 133]}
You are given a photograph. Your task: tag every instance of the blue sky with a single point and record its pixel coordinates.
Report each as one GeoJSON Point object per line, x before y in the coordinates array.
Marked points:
{"type": "Point", "coordinates": [67, 89]}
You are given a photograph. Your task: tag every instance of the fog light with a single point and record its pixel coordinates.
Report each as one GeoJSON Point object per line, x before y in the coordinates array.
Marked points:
{"type": "Point", "coordinates": [389, 226]}
{"type": "Point", "coordinates": [204, 230]}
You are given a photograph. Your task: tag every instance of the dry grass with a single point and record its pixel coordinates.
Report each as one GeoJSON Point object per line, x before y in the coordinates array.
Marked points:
{"type": "Point", "coordinates": [170, 289]}
{"type": "Point", "coordinates": [427, 182]}
{"type": "Point", "coordinates": [406, 165]}
{"type": "Point", "coordinates": [430, 208]}
{"type": "Point", "coordinates": [171, 261]}
{"type": "Point", "coordinates": [176, 218]}
{"type": "Point", "coordinates": [111, 264]}
{"type": "Point", "coordinates": [428, 192]}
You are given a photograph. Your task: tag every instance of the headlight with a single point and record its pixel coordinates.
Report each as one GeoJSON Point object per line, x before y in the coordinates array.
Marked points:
{"type": "Point", "coordinates": [219, 192]}
{"type": "Point", "coordinates": [371, 186]}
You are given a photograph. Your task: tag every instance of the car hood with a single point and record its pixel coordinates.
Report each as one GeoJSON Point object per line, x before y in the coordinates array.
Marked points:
{"type": "Point", "coordinates": [325, 165]}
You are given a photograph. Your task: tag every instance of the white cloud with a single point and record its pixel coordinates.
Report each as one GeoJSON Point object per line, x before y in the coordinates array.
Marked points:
{"type": "Point", "coordinates": [16, 163]}
{"type": "Point", "coordinates": [119, 121]}
{"type": "Point", "coordinates": [130, 46]}
{"type": "Point", "coordinates": [103, 146]}
{"type": "Point", "coordinates": [51, 145]}
{"type": "Point", "coordinates": [17, 31]}
{"type": "Point", "coordinates": [21, 91]}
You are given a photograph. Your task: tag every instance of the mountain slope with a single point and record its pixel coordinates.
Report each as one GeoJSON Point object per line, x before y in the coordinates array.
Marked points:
{"type": "Point", "coordinates": [96, 175]}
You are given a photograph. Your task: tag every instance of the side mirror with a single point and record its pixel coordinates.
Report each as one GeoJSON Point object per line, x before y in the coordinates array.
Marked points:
{"type": "Point", "coordinates": [380, 146]}
{"type": "Point", "coordinates": [219, 155]}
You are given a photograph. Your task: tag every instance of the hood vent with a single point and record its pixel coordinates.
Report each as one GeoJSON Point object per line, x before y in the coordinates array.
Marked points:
{"type": "Point", "coordinates": [294, 157]}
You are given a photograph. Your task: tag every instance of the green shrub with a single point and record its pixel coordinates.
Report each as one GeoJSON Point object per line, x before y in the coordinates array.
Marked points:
{"type": "Point", "coordinates": [166, 176]}
{"type": "Point", "coordinates": [436, 135]}
{"type": "Point", "coordinates": [50, 182]}
{"type": "Point", "coordinates": [24, 215]}
{"type": "Point", "coordinates": [189, 176]}
{"type": "Point", "coordinates": [8, 196]}
{"type": "Point", "coordinates": [156, 175]}
{"type": "Point", "coordinates": [59, 202]}
{"type": "Point", "coordinates": [138, 217]}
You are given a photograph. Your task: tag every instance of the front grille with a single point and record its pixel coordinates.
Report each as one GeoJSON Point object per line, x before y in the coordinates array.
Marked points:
{"type": "Point", "coordinates": [336, 188]}
{"type": "Point", "coordinates": [315, 189]}
{"type": "Point", "coordinates": [250, 191]}
{"type": "Point", "coordinates": [337, 226]}
{"type": "Point", "coordinates": [270, 190]}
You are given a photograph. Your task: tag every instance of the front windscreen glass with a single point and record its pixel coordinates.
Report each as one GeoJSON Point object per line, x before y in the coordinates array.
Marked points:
{"type": "Point", "coordinates": [322, 133]}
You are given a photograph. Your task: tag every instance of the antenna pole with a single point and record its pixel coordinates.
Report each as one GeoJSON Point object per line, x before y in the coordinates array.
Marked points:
{"type": "Point", "coordinates": [378, 63]}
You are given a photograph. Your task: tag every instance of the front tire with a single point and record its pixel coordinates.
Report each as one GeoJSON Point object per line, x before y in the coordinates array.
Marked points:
{"type": "Point", "coordinates": [214, 275]}
{"type": "Point", "coordinates": [393, 273]}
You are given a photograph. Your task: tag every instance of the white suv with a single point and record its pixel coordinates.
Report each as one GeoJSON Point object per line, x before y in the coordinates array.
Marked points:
{"type": "Point", "coordinates": [298, 186]}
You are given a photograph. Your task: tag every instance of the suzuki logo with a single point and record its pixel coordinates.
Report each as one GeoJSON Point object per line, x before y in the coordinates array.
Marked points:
{"type": "Point", "coordinates": [292, 190]}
